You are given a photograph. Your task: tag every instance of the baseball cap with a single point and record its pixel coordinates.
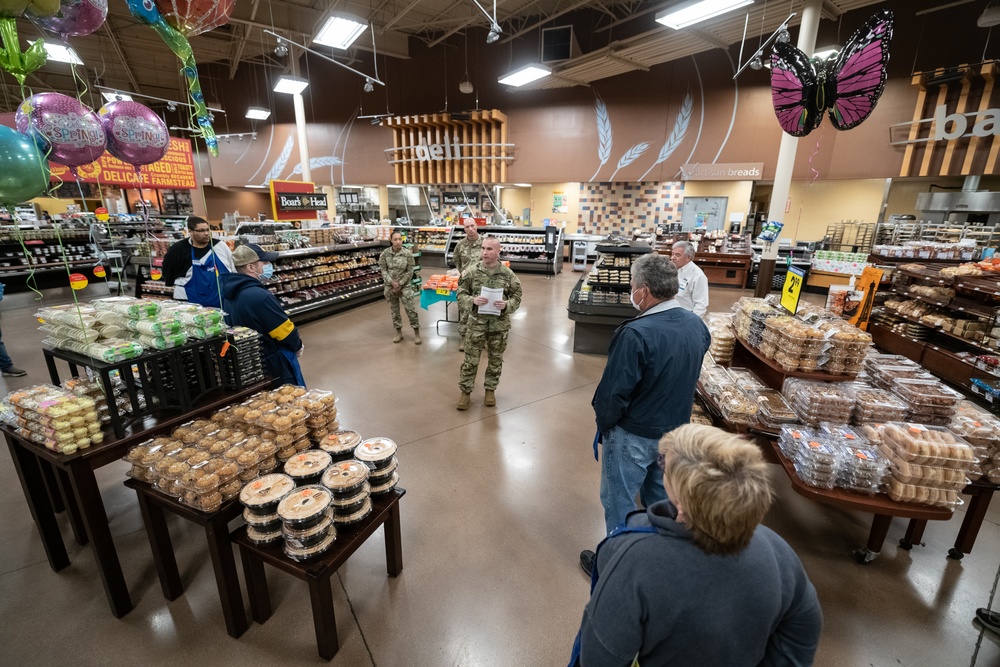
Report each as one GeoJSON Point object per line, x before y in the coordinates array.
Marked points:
{"type": "Point", "coordinates": [251, 252]}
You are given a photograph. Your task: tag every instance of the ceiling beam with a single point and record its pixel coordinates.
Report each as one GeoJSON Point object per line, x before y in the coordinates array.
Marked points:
{"type": "Point", "coordinates": [451, 32]}
{"type": "Point", "coordinates": [240, 43]}
{"type": "Point", "coordinates": [403, 12]}
{"type": "Point", "coordinates": [121, 56]}
{"type": "Point", "coordinates": [627, 61]}
{"type": "Point", "coordinates": [548, 19]}
{"type": "Point", "coordinates": [708, 38]}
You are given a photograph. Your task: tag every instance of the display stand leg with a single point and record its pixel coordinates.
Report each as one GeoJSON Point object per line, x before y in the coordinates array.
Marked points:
{"type": "Point", "coordinates": [256, 580]}
{"type": "Point", "coordinates": [72, 509]}
{"type": "Point", "coordinates": [155, 520]}
{"type": "Point", "coordinates": [979, 504]}
{"type": "Point", "coordinates": [88, 495]}
{"type": "Point", "coordinates": [914, 534]}
{"type": "Point", "coordinates": [28, 473]}
{"type": "Point", "coordinates": [221, 550]}
{"type": "Point", "coordinates": [324, 619]}
{"type": "Point", "coordinates": [393, 543]}
{"type": "Point", "coordinates": [52, 487]}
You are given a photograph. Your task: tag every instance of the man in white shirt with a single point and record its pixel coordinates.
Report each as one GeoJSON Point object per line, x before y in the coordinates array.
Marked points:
{"type": "Point", "coordinates": [692, 283]}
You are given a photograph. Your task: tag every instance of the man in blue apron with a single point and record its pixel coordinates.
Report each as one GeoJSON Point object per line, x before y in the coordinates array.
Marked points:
{"type": "Point", "coordinates": [249, 304]}
{"type": "Point", "coordinates": [192, 266]}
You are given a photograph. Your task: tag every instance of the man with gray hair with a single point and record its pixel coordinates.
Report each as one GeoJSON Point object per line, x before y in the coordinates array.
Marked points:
{"type": "Point", "coordinates": [692, 284]}
{"type": "Point", "coordinates": [647, 390]}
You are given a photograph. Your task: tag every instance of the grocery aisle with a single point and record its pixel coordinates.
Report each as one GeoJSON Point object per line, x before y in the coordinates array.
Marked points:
{"type": "Point", "coordinates": [499, 503]}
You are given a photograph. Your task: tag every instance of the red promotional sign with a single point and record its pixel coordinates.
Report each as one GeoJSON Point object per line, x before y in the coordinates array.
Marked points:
{"type": "Point", "coordinates": [174, 171]}
{"type": "Point", "coordinates": [279, 188]}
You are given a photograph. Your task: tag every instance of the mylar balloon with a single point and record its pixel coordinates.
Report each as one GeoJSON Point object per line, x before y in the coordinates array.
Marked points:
{"type": "Point", "coordinates": [74, 18]}
{"type": "Point", "coordinates": [135, 133]}
{"type": "Point", "coordinates": [60, 124]}
{"type": "Point", "coordinates": [24, 173]}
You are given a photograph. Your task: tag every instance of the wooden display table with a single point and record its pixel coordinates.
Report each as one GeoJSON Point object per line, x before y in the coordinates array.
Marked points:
{"type": "Point", "coordinates": [771, 372]}
{"type": "Point", "coordinates": [88, 517]}
{"type": "Point", "coordinates": [317, 572]}
{"type": "Point", "coordinates": [826, 279]}
{"type": "Point", "coordinates": [152, 503]}
{"type": "Point", "coordinates": [883, 507]}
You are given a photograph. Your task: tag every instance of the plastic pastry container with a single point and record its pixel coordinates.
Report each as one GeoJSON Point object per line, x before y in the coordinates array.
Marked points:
{"type": "Point", "coordinates": [308, 537]}
{"type": "Point", "coordinates": [305, 507]}
{"type": "Point", "coordinates": [933, 476]}
{"type": "Point", "coordinates": [316, 402]}
{"type": "Point", "coordinates": [738, 408]}
{"type": "Point", "coordinates": [386, 486]}
{"type": "Point", "coordinates": [262, 495]}
{"type": "Point", "coordinates": [841, 434]}
{"type": "Point", "coordinates": [745, 379]}
{"type": "Point", "coordinates": [925, 495]}
{"type": "Point", "coordinates": [340, 444]}
{"type": "Point", "coordinates": [306, 553]}
{"type": "Point", "coordinates": [307, 467]}
{"type": "Point", "coordinates": [264, 537]}
{"type": "Point", "coordinates": [382, 476]}
{"type": "Point", "coordinates": [346, 479]}
{"type": "Point", "coordinates": [283, 419]}
{"type": "Point", "coordinates": [773, 409]}
{"type": "Point", "coordinates": [376, 453]}
{"type": "Point", "coordinates": [264, 523]}
{"type": "Point", "coordinates": [928, 445]}
{"type": "Point", "coordinates": [359, 515]}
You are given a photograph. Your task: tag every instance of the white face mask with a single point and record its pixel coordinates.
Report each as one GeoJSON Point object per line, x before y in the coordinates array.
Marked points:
{"type": "Point", "coordinates": [631, 298]}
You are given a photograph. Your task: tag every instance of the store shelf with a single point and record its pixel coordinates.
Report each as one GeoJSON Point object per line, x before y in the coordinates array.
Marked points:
{"type": "Point", "coordinates": [299, 252]}
{"type": "Point", "coordinates": [360, 274]}
{"type": "Point", "coordinates": [514, 241]}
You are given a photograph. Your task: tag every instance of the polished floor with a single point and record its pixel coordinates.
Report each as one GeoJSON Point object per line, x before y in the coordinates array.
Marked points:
{"type": "Point", "coordinates": [499, 503]}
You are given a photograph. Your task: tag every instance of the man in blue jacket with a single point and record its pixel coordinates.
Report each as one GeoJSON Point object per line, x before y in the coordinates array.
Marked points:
{"type": "Point", "coordinates": [248, 303]}
{"type": "Point", "coordinates": [646, 391]}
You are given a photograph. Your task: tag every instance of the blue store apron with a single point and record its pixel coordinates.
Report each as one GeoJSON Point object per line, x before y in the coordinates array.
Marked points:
{"type": "Point", "coordinates": [203, 288]}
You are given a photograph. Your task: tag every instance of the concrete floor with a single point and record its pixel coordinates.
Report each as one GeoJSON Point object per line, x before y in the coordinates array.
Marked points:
{"type": "Point", "coordinates": [500, 502]}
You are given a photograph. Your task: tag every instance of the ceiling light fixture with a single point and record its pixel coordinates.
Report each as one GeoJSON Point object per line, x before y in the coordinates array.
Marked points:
{"type": "Point", "coordinates": [171, 106]}
{"type": "Point", "coordinates": [60, 53]}
{"type": "Point", "coordinates": [369, 86]}
{"type": "Point", "coordinates": [326, 57]}
{"type": "Point", "coordinates": [339, 31]}
{"type": "Point", "coordinates": [757, 60]}
{"type": "Point", "coordinates": [258, 113]}
{"type": "Point", "coordinates": [290, 85]}
{"type": "Point", "coordinates": [493, 35]}
{"type": "Point", "coordinates": [257, 187]}
{"type": "Point", "coordinates": [116, 97]}
{"type": "Point", "coordinates": [696, 11]}
{"type": "Point", "coordinates": [524, 75]}
{"type": "Point", "coordinates": [281, 50]}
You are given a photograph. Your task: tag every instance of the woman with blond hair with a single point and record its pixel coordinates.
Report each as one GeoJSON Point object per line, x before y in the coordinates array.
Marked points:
{"type": "Point", "coordinates": [696, 580]}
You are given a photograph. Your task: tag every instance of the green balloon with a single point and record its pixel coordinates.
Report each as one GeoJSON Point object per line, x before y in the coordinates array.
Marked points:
{"type": "Point", "coordinates": [24, 171]}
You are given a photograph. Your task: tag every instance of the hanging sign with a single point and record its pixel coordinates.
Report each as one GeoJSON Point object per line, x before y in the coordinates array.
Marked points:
{"type": "Point", "coordinates": [101, 214]}
{"type": "Point", "coordinates": [99, 271]}
{"type": "Point", "coordinates": [290, 200]}
{"type": "Point", "coordinates": [174, 171]}
{"type": "Point", "coordinates": [792, 289]}
{"type": "Point", "coordinates": [307, 202]}
{"type": "Point", "coordinates": [77, 281]}
{"type": "Point", "coordinates": [860, 310]}
{"type": "Point", "coordinates": [155, 273]}
{"type": "Point", "coordinates": [453, 198]}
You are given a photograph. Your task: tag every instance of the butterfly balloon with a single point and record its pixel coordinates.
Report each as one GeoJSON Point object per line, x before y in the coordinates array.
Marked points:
{"type": "Point", "coordinates": [847, 86]}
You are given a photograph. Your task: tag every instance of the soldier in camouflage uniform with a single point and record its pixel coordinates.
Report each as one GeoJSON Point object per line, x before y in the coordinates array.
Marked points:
{"type": "Point", "coordinates": [396, 264]}
{"type": "Point", "coordinates": [467, 252]}
{"type": "Point", "coordinates": [489, 331]}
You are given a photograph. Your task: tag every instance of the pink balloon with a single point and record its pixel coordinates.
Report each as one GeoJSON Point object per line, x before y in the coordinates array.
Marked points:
{"type": "Point", "coordinates": [136, 135]}
{"type": "Point", "coordinates": [74, 18]}
{"type": "Point", "coordinates": [69, 130]}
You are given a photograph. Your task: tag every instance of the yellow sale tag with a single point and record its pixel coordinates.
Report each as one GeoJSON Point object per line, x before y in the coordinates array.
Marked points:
{"type": "Point", "coordinates": [443, 292]}
{"type": "Point", "coordinates": [791, 289]}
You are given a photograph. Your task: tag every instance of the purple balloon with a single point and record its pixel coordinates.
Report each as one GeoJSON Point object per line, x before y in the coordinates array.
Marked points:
{"type": "Point", "coordinates": [74, 18]}
{"type": "Point", "coordinates": [136, 135]}
{"type": "Point", "coordinates": [68, 130]}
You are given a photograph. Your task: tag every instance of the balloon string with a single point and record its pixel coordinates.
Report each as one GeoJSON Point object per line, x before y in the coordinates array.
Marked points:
{"type": "Point", "coordinates": [19, 235]}
{"type": "Point", "coordinates": [69, 277]}
{"type": "Point", "coordinates": [811, 168]}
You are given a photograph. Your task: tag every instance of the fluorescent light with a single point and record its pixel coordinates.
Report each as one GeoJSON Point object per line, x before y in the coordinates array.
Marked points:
{"type": "Point", "coordinates": [290, 85]}
{"type": "Point", "coordinates": [339, 32]}
{"type": "Point", "coordinates": [522, 185]}
{"type": "Point", "coordinates": [261, 187]}
{"type": "Point", "coordinates": [60, 53]}
{"type": "Point", "coordinates": [826, 52]}
{"type": "Point", "coordinates": [524, 75]}
{"type": "Point", "coordinates": [258, 113]}
{"type": "Point", "coordinates": [115, 97]}
{"type": "Point", "coordinates": [689, 13]}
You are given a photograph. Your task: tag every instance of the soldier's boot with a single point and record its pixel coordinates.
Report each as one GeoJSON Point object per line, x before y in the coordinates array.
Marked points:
{"type": "Point", "coordinates": [416, 336]}
{"type": "Point", "coordinates": [399, 336]}
{"type": "Point", "coordinates": [491, 399]}
{"type": "Point", "coordinates": [463, 402]}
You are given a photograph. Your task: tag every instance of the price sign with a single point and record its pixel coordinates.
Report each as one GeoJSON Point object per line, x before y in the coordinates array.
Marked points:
{"type": "Point", "coordinates": [101, 214]}
{"type": "Point", "coordinates": [792, 288]}
{"type": "Point", "coordinates": [442, 291]}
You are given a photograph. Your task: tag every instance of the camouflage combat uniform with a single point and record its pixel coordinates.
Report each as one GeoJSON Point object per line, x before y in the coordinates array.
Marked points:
{"type": "Point", "coordinates": [398, 266]}
{"type": "Point", "coordinates": [466, 254]}
{"type": "Point", "coordinates": [489, 331]}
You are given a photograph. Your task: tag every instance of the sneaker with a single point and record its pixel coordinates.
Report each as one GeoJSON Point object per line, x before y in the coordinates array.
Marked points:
{"type": "Point", "coordinates": [988, 619]}
{"type": "Point", "coordinates": [587, 560]}
{"type": "Point", "coordinates": [14, 372]}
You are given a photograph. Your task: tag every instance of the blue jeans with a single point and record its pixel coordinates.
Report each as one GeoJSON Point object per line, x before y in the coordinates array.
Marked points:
{"type": "Point", "coordinates": [5, 361]}
{"type": "Point", "coordinates": [629, 467]}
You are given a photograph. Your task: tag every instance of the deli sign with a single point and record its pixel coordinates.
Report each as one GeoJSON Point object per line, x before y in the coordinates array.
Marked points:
{"type": "Point", "coordinates": [301, 202]}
